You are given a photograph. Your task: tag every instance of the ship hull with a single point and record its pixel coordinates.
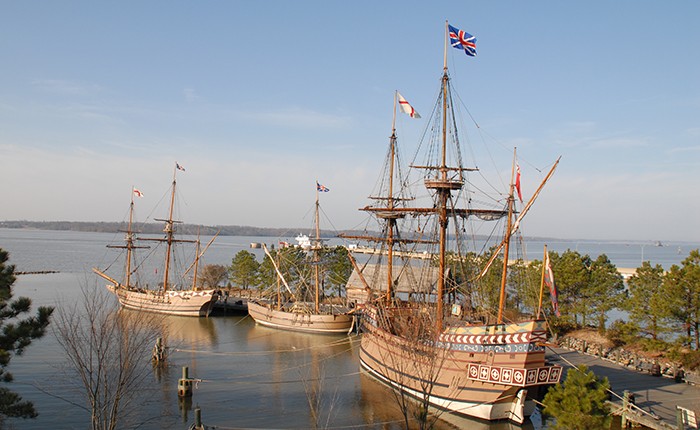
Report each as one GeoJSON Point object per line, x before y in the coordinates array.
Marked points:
{"type": "Point", "coordinates": [266, 315]}
{"type": "Point", "coordinates": [180, 303]}
{"type": "Point", "coordinates": [486, 375]}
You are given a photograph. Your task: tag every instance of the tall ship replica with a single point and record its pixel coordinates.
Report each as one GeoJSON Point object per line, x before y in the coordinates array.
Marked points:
{"type": "Point", "coordinates": [300, 306]}
{"type": "Point", "coordinates": [175, 294]}
{"type": "Point", "coordinates": [429, 329]}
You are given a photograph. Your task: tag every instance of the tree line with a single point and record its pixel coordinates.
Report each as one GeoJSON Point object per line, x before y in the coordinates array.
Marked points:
{"type": "Point", "coordinates": [295, 264]}
{"type": "Point", "coordinates": [663, 306]}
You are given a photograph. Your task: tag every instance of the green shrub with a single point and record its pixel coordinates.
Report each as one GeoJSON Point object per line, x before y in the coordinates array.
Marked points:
{"type": "Point", "coordinates": [579, 403]}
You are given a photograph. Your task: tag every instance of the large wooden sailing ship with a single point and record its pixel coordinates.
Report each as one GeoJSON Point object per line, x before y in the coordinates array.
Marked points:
{"type": "Point", "coordinates": [171, 297]}
{"type": "Point", "coordinates": [288, 310]}
{"type": "Point", "coordinates": [422, 331]}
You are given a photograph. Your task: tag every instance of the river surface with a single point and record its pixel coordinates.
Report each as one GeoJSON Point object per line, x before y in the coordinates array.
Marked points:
{"type": "Point", "coordinates": [251, 377]}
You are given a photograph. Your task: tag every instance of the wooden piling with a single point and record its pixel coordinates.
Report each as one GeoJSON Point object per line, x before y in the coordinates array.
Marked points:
{"type": "Point", "coordinates": [198, 419]}
{"type": "Point", "coordinates": [158, 351]}
{"type": "Point", "coordinates": [184, 384]}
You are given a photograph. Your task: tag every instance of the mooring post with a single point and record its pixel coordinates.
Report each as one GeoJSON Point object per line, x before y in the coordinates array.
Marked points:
{"type": "Point", "coordinates": [184, 384]}
{"type": "Point", "coordinates": [158, 351]}
{"type": "Point", "coordinates": [625, 407]}
{"type": "Point", "coordinates": [198, 419]}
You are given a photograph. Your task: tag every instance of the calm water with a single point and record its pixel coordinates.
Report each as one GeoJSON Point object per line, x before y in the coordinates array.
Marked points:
{"type": "Point", "coordinates": [252, 377]}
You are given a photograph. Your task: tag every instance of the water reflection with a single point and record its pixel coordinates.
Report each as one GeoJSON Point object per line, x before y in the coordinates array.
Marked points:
{"type": "Point", "coordinates": [188, 332]}
{"type": "Point", "coordinates": [380, 406]}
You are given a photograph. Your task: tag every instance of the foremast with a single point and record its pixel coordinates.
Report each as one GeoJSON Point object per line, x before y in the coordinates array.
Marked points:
{"type": "Point", "coordinates": [129, 245]}
{"type": "Point", "coordinates": [389, 212]}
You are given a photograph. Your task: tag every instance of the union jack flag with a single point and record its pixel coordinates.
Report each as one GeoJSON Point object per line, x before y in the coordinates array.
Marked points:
{"type": "Point", "coordinates": [462, 40]}
{"type": "Point", "coordinates": [322, 188]}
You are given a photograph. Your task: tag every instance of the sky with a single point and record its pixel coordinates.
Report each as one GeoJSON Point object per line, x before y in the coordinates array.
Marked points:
{"type": "Point", "coordinates": [259, 100]}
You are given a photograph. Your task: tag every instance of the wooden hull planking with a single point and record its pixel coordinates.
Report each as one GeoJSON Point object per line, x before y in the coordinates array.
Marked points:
{"type": "Point", "coordinates": [477, 371]}
{"type": "Point", "coordinates": [266, 315]}
{"type": "Point", "coordinates": [180, 303]}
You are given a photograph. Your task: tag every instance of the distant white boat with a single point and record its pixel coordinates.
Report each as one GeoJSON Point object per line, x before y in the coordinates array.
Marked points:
{"type": "Point", "coordinates": [303, 241]}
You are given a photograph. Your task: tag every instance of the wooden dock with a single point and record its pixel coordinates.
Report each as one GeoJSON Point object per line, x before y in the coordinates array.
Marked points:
{"type": "Point", "coordinates": [658, 397]}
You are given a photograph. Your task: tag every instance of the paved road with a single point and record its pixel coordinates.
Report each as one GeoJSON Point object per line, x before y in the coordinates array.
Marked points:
{"type": "Point", "coordinates": [652, 393]}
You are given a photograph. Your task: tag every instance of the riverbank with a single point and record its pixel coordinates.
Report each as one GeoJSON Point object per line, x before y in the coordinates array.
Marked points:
{"type": "Point", "coordinates": [655, 363]}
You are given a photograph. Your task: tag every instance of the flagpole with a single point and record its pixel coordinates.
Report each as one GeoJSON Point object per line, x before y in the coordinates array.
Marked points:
{"type": "Point", "coordinates": [544, 267]}
{"type": "Point", "coordinates": [393, 120]}
{"type": "Point", "coordinates": [447, 35]}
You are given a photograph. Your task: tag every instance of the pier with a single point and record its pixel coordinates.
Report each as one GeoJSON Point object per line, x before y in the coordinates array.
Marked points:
{"type": "Point", "coordinates": [657, 397]}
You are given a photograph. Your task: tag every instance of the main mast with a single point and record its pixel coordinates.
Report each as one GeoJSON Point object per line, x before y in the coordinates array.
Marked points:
{"type": "Point", "coordinates": [316, 249]}
{"type": "Point", "coordinates": [169, 232]}
{"type": "Point", "coordinates": [391, 220]}
{"type": "Point", "coordinates": [443, 185]}
{"type": "Point", "coordinates": [129, 239]}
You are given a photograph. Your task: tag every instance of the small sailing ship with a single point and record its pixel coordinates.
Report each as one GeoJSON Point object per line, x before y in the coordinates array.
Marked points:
{"type": "Point", "coordinates": [288, 309]}
{"type": "Point", "coordinates": [171, 297]}
{"type": "Point", "coordinates": [421, 330]}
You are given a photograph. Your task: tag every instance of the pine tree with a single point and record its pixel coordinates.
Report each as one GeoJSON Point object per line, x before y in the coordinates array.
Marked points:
{"type": "Point", "coordinates": [579, 403]}
{"type": "Point", "coordinates": [338, 268]}
{"type": "Point", "coordinates": [683, 284]}
{"type": "Point", "coordinates": [15, 335]}
{"type": "Point", "coordinates": [648, 300]}
{"type": "Point", "coordinates": [244, 268]}
{"type": "Point", "coordinates": [606, 289]}
{"type": "Point", "coordinates": [572, 276]}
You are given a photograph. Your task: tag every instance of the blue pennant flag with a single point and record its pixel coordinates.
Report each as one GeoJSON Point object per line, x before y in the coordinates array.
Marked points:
{"type": "Point", "coordinates": [463, 40]}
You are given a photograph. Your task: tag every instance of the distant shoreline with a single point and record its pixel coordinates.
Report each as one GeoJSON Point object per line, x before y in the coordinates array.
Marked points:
{"type": "Point", "coordinates": [238, 230]}
{"type": "Point", "coordinates": [156, 228]}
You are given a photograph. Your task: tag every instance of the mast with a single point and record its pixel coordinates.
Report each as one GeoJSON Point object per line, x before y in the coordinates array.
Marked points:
{"type": "Point", "coordinates": [169, 231]}
{"type": "Point", "coordinates": [129, 239]}
{"type": "Point", "coordinates": [391, 221]}
{"type": "Point", "coordinates": [544, 267]}
{"type": "Point", "coordinates": [316, 248]}
{"type": "Point", "coordinates": [389, 211]}
{"type": "Point", "coordinates": [130, 245]}
{"type": "Point", "coordinates": [196, 264]}
{"type": "Point", "coordinates": [522, 214]}
{"type": "Point", "coordinates": [506, 242]}
{"type": "Point", "coordinates": [279, 286]}
{"type": "Point", "coordinates": [443, 186]}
